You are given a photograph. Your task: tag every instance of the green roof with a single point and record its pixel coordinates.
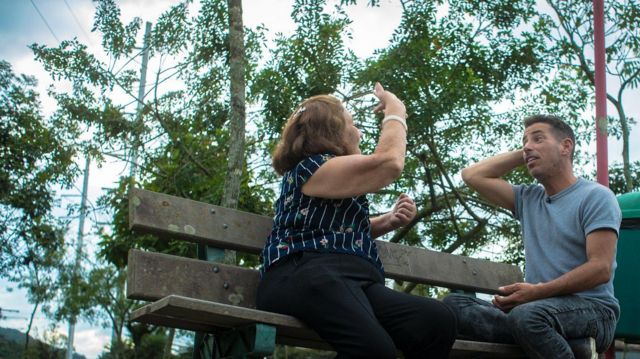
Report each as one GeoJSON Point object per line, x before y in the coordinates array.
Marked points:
{"type": "Point", "coordinates": [630, 204]}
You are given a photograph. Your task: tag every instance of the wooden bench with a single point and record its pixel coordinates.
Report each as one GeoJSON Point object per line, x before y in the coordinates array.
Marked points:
{"type": "Point", "coordinates": [219, 299]}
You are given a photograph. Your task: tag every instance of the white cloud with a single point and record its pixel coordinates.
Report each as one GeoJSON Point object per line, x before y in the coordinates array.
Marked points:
{"type": "Point", "coordinates": [90, 342]}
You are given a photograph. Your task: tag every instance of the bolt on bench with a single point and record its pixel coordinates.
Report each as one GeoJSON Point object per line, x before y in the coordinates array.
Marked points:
{"type": "Point", "coordinates": [219, 299]}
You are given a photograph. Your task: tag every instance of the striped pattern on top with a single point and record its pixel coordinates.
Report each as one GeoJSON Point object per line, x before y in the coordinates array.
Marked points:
{"type": "Point", "coordinates": [304, 223]}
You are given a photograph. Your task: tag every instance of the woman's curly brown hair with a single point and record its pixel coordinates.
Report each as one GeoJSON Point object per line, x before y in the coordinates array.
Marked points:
{"type": "Point", "coordinates": [316, 126]}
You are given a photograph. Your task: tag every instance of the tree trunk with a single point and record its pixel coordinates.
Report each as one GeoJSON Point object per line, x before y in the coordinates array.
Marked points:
{"type": "Point", "coordinates": [237, 111]}
{"type": "Point", "coordinates": [624, 124]}
{"type": "Point", "coordinates": [26, 339]}
{"type": "Point", "coordinates": [237, 106]}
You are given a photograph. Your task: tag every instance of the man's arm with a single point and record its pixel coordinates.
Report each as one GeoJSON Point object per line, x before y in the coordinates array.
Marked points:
{"type": "Point", "coordinates": [601, 247]}
{"type": "Point", "coordinates": [485, 178]}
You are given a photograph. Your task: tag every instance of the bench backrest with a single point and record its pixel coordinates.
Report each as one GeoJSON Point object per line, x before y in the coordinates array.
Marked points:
{"type": "Point", "coordinates": [153, 275]}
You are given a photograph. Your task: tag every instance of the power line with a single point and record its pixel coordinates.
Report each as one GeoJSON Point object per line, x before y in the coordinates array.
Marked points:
{"type": "Point", "coordinates": [77, 21]}
{"type": "Point", "coordinates": [45, 21]}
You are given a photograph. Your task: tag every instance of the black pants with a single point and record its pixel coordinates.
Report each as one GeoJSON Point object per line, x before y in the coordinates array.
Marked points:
{"type": "Point", "coordinates": [343, 298]}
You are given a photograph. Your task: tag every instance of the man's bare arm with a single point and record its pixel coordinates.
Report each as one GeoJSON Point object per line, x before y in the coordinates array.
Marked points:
{"type": "Point", "coordinates": [485, 178]}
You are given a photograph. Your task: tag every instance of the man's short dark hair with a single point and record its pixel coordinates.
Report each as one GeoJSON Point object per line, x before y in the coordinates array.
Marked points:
{"type": "Point", "coordinates": [560, 128]}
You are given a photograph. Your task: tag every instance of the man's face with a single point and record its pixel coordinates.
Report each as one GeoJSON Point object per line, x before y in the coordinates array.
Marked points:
{"type": "Point", "coordinates": [543, 152]}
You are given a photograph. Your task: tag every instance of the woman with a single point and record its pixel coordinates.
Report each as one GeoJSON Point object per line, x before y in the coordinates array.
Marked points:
{"type": "Point", "coordinates": [320, 263]}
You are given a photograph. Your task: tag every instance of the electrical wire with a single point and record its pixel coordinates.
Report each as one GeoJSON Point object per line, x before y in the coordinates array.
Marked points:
{"type": "Point", "coordinates": [45, 21]}
{"type": "Point", "coordinates": [77, 21]}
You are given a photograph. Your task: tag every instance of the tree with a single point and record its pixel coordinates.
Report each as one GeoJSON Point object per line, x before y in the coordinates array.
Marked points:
{"type": "Point", "coordinates": [36, 155]}
{"type": "Point", "coordinates": [38, 278]}
{"type": "Point", "coordinates": [182, 131]}
{"type": "Point", "coordinates": [573, 41]}
{"type": "Point", "coordinates": [237, 88]}
{"type": "Point", "coordinates": [450, 70]}
{"type": "Point", "coordinates": [617, 179]}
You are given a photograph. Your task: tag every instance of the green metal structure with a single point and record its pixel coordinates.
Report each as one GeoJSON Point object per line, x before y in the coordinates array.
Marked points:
{"type": "Point", "coordinates": [627, 282]}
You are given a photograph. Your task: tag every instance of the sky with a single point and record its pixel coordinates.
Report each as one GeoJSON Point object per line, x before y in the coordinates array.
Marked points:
{"type": "Point", "coordinates": [22, 22]}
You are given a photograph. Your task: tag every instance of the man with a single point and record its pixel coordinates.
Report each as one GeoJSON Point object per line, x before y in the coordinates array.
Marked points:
{"type": "Point", "coordinates": [570, 229]}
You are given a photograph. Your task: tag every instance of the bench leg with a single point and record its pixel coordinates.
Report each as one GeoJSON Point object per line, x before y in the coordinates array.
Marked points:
{"type": "Point", "coordinates": [257, 340]}
{"type": "Point", "coordinates": [203, 346]}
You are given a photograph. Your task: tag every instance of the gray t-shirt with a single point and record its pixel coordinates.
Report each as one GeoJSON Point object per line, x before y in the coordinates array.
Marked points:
{"type": "Point", "coordinates": [555, 230]}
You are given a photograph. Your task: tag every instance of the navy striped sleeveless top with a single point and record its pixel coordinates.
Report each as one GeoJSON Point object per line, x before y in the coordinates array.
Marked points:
{"type": "Point", "coordinates": [303, 223]}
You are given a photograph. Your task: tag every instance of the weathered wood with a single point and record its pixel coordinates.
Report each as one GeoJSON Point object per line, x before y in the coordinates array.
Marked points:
{"type": "Point", "coordinates": [446, 270]}
{"type": "Point", "coordinates": [477, 350]}
{"type": "Point", "coordinates": [180, 218]}
{"type": "Point", "coordinates": [152, 276]}
{"type": "Point", "coordinates": [193, 314]}
{"type": "Point", "coordinates": [220, 227]}
{"type": "Point", "coordinates": [206, 316]}
{"type": "Point", "coordinates": [214, 298]}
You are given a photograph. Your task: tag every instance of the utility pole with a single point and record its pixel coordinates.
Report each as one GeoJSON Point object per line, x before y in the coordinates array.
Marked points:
{"type": "Point", "coordinates": [602, 153]}
{"type": "Point", "coordinates": [115, 341]}
{"type": "Point", "coordinates": [76, 268]}
{"type": "Point", "coordinates": [140, 105]}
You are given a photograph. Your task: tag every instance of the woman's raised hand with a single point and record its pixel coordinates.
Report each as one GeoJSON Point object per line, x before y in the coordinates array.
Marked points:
{"type": "Point", "coordinates": [389, 103]}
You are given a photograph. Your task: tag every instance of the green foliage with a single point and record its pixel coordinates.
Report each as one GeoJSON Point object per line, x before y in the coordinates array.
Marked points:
{"type": "Point", "coordinates": [451, 62]}
{"type": "Point", "coordinates": [65, 61]}
{"type": "Point", "coordinates": [171, 34]}
{"type": "Point", "coordinates": [573, 42]}
{"type": "Point", "coordinates": [182, 132]}
{"type": "Point", "coordinates": [35, 156]}
{"type": "Point", "coordinates": [450, 68]}
{"type": "Point", "coordinates": [617, 182]}
{"type": "Point", "coordinates": [314, 60]}
{"type": "Point", "coordinates": [117, 39]}
{"type": "Point", "coordinates": [12, 346]}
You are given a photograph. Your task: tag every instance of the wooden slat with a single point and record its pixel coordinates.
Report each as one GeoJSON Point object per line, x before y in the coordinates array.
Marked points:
{"type": "Point", "coordinates": [193, 314]}
{"type": "Point", "coordinates": [476, 350]}
{"type": "Point", "coordinates": [199, 222]}
{"type": "Point", "coordinates": [444, 269]}
{"type": "Point", "coordinates": [152, 276]}
{"type": "Point", "coordinates": [180, 218]}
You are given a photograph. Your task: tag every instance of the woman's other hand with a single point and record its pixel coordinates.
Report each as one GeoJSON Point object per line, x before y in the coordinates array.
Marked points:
{"type": "Point", "coordinates": [403, 212]}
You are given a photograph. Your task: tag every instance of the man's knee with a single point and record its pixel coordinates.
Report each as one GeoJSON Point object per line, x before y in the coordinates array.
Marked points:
{"type": "Point", "coordinates": [528, 318]}
{"type": "Point", "coordinates": [455, 302]}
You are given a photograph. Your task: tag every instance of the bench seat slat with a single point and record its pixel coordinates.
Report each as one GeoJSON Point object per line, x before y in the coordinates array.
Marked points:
{"type": "Point", "coordinates": [446, 270]}
{"type": "Point", "coordinates": [193, 314]}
